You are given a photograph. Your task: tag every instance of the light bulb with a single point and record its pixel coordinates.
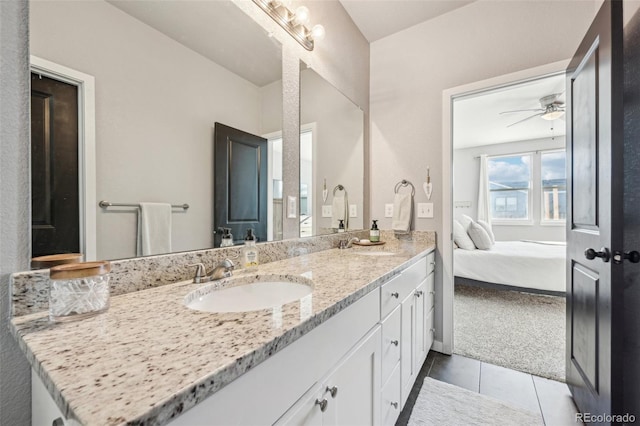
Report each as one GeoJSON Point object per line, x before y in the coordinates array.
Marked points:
{"type": "Point", "coordinates": [301, 15]}
{"type": "Point", "coordinates": [552, 115]}
{"type": "Point", "coordinates": [317, 32]}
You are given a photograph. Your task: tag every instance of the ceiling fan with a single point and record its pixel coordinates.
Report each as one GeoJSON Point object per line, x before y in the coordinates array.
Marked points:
{"type": "Point", "coordinates": [551, 109]}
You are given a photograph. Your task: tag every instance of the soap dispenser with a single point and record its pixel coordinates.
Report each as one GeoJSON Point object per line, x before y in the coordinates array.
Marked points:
{"type": "Point", "coordinates": [250, 251]}
{"type": "Point", "coordinates": [227, 238]}
{"type": "Point", "coordinates": [341, 226]}
{"type": "Point", "coordinates": [374, 233]}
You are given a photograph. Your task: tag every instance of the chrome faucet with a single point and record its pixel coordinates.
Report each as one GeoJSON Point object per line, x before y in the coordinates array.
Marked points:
{"type": "Point", "coordinates": [347, 244]}
{"type": "Point", "coordinates": [222, 270]}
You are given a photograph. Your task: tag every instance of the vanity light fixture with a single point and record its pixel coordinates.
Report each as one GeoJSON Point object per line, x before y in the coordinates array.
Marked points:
{"type": "Point", "coordinates": [294, 22]}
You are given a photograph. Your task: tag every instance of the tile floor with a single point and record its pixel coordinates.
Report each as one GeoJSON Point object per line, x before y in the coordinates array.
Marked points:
{"type": "Point", "coordinates": [552, 399]}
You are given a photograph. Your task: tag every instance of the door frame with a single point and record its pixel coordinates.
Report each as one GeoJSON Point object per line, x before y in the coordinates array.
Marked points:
{"type": "Point", "coordinates": [448, 96]}
{"type": "Point", "coordinates": [86, 146]}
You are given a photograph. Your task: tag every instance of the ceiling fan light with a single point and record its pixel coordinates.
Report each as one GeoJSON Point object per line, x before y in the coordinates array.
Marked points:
{"type": "Point", "coordinates": [552, 115]}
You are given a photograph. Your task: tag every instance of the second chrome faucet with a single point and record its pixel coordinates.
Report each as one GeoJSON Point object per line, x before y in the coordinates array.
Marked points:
{"type": "Point", "coordinates": [221, 270]}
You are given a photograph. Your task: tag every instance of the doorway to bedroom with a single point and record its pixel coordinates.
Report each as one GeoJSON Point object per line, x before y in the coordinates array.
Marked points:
{"type": "Point", "coordinates": [509, 210]}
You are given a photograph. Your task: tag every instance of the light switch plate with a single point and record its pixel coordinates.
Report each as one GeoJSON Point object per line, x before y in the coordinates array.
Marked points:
{"type": "Point", "coordinates": [425, 210]}
{"type": "Point", "coordinates": [292, 207]}
{"type": "Point", "coordinates": [353, 210]}
{"type": "Point", "coordinates": [388, 210]}
{"type": "Point", "coordinates": [327, 211]}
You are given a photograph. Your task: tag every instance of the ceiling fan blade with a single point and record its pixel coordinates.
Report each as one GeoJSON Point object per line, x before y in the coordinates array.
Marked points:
{"type": "Point", "coordinates": [525, 119]}
{"type": "Point", "coordinates": [521, 110]}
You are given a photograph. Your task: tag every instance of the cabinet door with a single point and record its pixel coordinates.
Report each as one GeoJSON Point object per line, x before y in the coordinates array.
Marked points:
{"type": "Point", "coordinates": [420, 349]}
{"type": "Point", "coordinates": [356, 381]}
{"type": "Point", "coordinates": [307, 411]}
{"type": "Point", "coordinates": [407, 342]}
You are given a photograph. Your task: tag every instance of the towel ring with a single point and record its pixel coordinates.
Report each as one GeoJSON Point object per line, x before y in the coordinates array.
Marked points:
{"type": "Point", "coordinates": [339, 188]}
{"type": "Point", "coordinates": [403, 183]}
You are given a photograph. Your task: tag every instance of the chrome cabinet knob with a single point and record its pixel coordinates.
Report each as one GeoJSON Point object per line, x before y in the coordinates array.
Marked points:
{"type": "Point", "coordinates": [394, 405]}
{"type": "Point", "coordinates": [395, 342]}
{"type": "Point", "coordinates": [333, 390]}
{"type": "Point", "coordinates": [395, 294]}
{"type": "Point", "coordinates": [323, 404]}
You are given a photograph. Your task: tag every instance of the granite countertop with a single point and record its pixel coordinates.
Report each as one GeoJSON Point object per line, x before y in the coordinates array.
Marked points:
{"type": "Point", "coordinates": [149, 358]}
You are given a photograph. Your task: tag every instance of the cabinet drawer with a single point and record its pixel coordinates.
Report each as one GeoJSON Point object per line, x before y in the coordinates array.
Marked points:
{"type": "Point", "coordinates": [417, 272]}
{"type": "Point", "coordinates": [390, 343]}
{"type": "Point", "coordinates": [393, 292]}
{"type": "Point", "coordinates": [431, 262]}
{"type": "Point", "coordinates": [390, 400]}
{"type": "Point", "coordinates": [430, 296]}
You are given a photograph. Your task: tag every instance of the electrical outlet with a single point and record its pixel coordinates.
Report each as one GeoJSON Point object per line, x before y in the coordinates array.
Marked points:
{"type": "Point", "coordinates": [292, 207]}
{"type": "Point", "coordinates": [388, 210]}
{"type": "Point", "coordinates": [425, 210]}
{"type": "Point", "coordinates": [429, 210]}
{"type": "Point", "coordinates": [353, 210]}
{"type": "Point", "coordinates": [327, 211]}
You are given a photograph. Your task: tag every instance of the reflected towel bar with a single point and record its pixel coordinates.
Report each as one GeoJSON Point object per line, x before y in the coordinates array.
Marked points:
{"type": "Point", "coordinates": [105, 204]}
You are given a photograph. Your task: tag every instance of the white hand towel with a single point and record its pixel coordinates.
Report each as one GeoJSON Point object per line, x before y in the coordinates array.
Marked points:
{"type": "Point", "coordinates": [402, 210]}
{"type": "Point", "coordinates": [339, 211]}
{"type": "Point", "coordinates": [154, 229]}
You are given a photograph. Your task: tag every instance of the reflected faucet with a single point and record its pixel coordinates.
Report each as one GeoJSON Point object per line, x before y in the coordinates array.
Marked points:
{"type": "Point", "coordinates": [222, 270]}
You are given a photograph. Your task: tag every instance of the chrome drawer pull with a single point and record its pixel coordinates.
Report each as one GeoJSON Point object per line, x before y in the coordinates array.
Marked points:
{"type": "Point", "coordinates": [418, 293]}
{"type": "Point", "coordinates": [395, 294]}
{"type": "Point", "coordinates": [395, 405]}
{"type": "Point", "coordinates": [332, 390]}
{"type": "Point", "coordinates": [395, 342]}
{"type": "Point", "coordinates": [323, 404]}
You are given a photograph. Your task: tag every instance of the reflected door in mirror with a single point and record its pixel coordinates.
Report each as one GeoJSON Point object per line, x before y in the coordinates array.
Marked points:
{"type": "Point", "coordinates": [54, 166]}
{"type": "Point", "coordinates": [241, 180]}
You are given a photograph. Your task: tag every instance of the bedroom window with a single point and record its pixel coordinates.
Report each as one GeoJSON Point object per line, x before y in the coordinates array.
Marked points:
{"type": "Point", "coordinates": [554, 186]}
{"type": "Point", "coordinates": [509, 187]}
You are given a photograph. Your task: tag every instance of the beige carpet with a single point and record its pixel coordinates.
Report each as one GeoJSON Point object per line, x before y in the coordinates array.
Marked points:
{"type": "Point", "coordinates": [442, 404]}
{"type": "Point", "coordinates": [521, 331]}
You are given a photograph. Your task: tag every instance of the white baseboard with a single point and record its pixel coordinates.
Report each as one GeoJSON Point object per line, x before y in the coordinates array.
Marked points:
{"type": "Point", "coordinates": [438, 346]}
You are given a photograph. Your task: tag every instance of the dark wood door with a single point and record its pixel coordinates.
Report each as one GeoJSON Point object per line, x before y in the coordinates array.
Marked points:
{"type": "Point", "coordinates": [594, 223]}
{"type": "Point", "coordinates": [240, 183]}
{"type": "Point", "coordinates": [54, 167]}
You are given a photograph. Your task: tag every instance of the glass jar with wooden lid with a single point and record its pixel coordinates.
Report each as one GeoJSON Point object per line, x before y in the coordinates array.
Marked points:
{"type": "Point", "coordinates": [78, 290]}
{"type": "Point", "coordinates": [51, 260]}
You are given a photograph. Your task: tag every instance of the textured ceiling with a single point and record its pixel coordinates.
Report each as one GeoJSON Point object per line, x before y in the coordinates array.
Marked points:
{"type": "Point", "coordinates": [218, 30]}
{"type": "Point", "coordinates": [477, 120]}
{"type": "Point", "coordinates": [380, 18]}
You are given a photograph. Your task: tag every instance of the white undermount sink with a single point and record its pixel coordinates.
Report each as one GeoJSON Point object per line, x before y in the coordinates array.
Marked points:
{"type": "Point", "coordinates": [251, 293]}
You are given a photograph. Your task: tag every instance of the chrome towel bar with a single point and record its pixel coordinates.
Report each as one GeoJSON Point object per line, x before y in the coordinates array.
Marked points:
{"type": "Point", "coordinates": [105, 204]}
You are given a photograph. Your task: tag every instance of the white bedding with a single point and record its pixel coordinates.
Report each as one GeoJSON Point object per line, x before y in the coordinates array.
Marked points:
{"type": "Point", "coordinates": [537, 265]}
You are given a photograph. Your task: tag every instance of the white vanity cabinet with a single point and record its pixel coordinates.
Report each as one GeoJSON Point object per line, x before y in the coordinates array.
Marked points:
{"type": "Point", "coordinates": [348, 395]}
{"type": "Point", "coordinates": [407, 303]}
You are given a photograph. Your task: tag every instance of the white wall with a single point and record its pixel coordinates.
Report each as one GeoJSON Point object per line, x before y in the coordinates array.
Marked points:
{"type": "Point", "coordinates": [156, 104]}
{"type": "Point", "coordinates": [15, 202]}
{"type": "Point", "coordinates": [466, 169]}
{"type": "Point", "coordinates": [410, 70]}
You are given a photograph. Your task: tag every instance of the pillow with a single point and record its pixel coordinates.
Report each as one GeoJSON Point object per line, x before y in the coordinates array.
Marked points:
{"type": "Point", "coordinates": [461, 238]}
{"type": "Point", "coordinates": [465, 221]}
{"type": "Point", "coordinates": [487, 227]}
{"type": "Point", "coordinates": [479, 236]}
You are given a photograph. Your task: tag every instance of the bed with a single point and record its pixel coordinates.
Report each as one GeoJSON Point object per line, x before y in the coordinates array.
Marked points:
{"type": "Point", "coordinates": [535, 265]}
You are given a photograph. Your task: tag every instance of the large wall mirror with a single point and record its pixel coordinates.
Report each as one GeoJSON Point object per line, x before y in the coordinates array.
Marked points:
{"type": "Point", "coordinates": [331, 157]}
{"type": "Point", "coordinates": [164, 73]}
